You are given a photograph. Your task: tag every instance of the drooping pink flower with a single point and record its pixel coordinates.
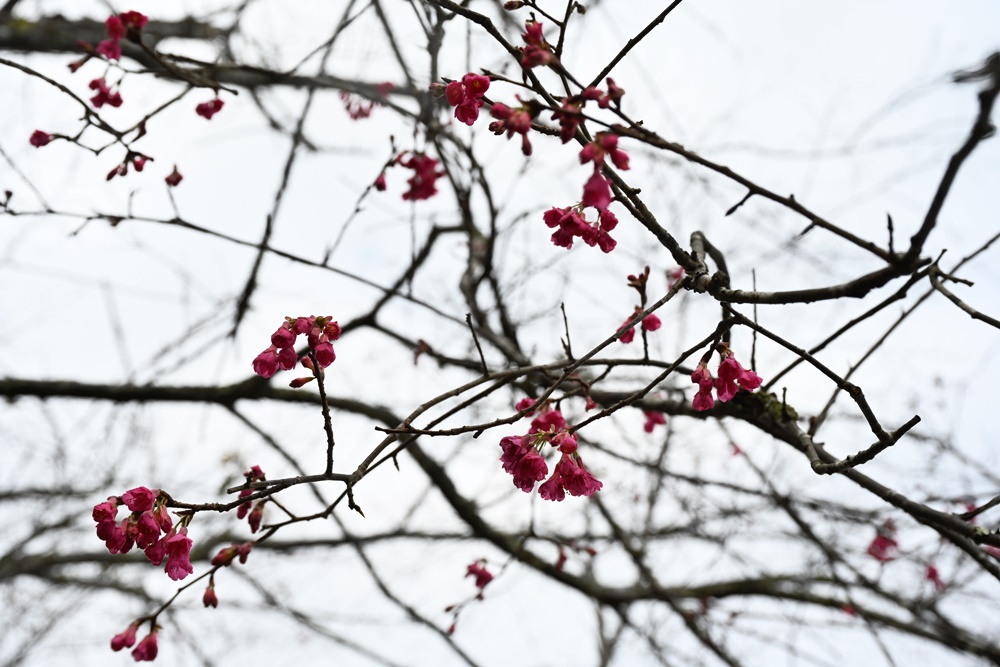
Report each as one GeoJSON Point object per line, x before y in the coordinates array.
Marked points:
{"type": "Point", "coordinates": [106, 511]}
{"type": "Point", "coordinates": [283, 336]}
{"type": "Point", "coordinates": [653, 418]}
{"type": "Point", "coordinates": [39, 139]}
{"type": "Point", "coordinates": [549, 421]}
{"type": "Point", "coordinates": [208, 109]}
{"type": "Point", "coordinates": [156, 552]}
{"type": "Point", "coordinates": [324, 354]}
{"type": "Point", "coordinates": [651, 322]}
{"type": "Point", "coordinates": [380, 182]}
{"type": "Point", "coordinates": [163, 518]}
{"type": "Point", "coordinates": [604, 145]}
{"type": "Point", "coordinates": [597, 192]}
{"type": "Point", "coordinates": [146, 650]}
{"type": "Point", "coordinates": [883, 547]}
{"type": "Point", "coordinates": [614, 95]}
{"type": "Point", "coordinates": [287, 358]}
{"type": "Point", "coordinates": [703, 378]}
{"type": "Point", "coordinates": [147, 530]}
{"type": "Point", "coordinates": [210, 599]}
{"type": "Point", "coordinates": [523, 462]}
{"type": "Point", "coordinates": [513, 121]}
{"type": "Point", "coordinates": [110, 49]}
{"type": "Point", "coordinates": [731, 373]}
{"type": "Point", "coordinates": [104, 94]}
{"type": "Point", "coordinates": [569, 476]}
{"type": "Point", "coordinates": [467, 96]}
{"type": "Point", "coordinates": [178, 548]}
{"type": "Point", "coordinates": [139, 499]}
{"type": "Point", "coordinates": [552, 488]}
{"type": "Point", "coordinates": [425, 173]}
{"type": "Point", "coordinates": [569, 119]}
{"type": "Point", "coordinates": [628, 335]}
{"type": "Point", "coordinates": [115, 28]}
{"type": "Point", "coordinates": [174, 178]}
{"type": "Point", "coordinates": [537, 52]}
{"type": "Point", "coordinates": [481, 574]}
{"type": "Point", "coordinates": [124, 639]}
{"type": "Point", "coordinates": [265, 364]}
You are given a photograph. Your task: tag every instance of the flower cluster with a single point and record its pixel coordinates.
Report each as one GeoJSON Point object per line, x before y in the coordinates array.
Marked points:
{"type": "Point", "coordinates": [569, 115]}
{"type": "Point", "coordinates": [538, 51]}
{"type": "Point", "coordinates": [126, 24]}
{"type": "Point", "coordinates": [256, 514]}
{"type": "Point", "coordinates": [649, 323]}
{"type": "Point", "coordinates": [425, 173]}
{"type": "Point", "coordinates": [522, 459]}
{"type": "Point", "coordinates": [281, 354]}
{"type": "Point", "coordinates": [142, 528]}
{"type": "Point", "coordinates": [513, 121]}
{"type": "Point", "coordinates": [146, 650]}
{"type": "Point", "coordinates": [732, 377]}
{"type": "Point", "coordinates": [570, 223]}
{"type": "Point", "coordinates": [208, 109]}
{"type": "Point", "coordinates": [104, 94]}
{"type": "Point", "coordinates": [467, 96]}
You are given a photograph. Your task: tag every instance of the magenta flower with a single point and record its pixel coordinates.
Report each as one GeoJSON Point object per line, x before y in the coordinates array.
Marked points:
{"type": "Point", "coordinates": [104, 94]}
{"type": "Point", "coordinates": [39, 139]}
{"type": "Point", "coordinates": [597, 192]}
{"type": "Point", "coordinates": [147, 530]}
{"type": "Point", "coordinates": [125, 639]}
{"type": "Point", "coordinates": [523, 462]}
{"type": "Point", "coordinates": [731, 373]}
{"type": "Point", "coordinates": [208, 109]}
{"type": "Point", "coordinates": [425, 173]}
{"type": "Point", "coordinates": [380, 182]}
{"type": "Point", "coordinates": [653, 418]}
{"type": "Point", "coordinates": [481, 574]}
{"type": "Point", "coordinates": [467, 96]}
{"type": "Point", "coordinates": [604, 145]}
{"type": "Point", "coordinates": [287, 358]}
{"type": "Point", "coordinates": [116, 30]}
{"type": "Point", "coordinates": [178, 549]}
{"type": "Point", "coordinates": [548, 422]}
{"type": "Point", "coordinates": [265, 364]}
{"type": "Point", "coordinates": [256, 516]}
{"type": "Point", "coordinates": [703, 378]}
{"type": "Point", "coordinates": [139, 499]}
{"type": "Point", "coordinates": [651, 322]}
{"type": "Point", "coordinates": [324, 354]}
{"type": "Point", "coordinates": [883, 548]}
{"type": "Point", "coordinates": [537, 52]}
{"type": "Point", "coordinates": [110, 49]}
{"type": "Point", "coordinates": [569, 476]}
{"type": "Point", "coordinates": [146, 650]}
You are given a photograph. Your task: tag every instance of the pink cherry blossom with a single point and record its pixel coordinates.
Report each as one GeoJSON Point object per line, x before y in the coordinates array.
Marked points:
{"type": "Point", "coordinates": [653, 418]}
{"type": "Point", "coordinates": [139, 499]}
{"type": "Point", "coordinates": [703, 378]}
{"type": "Point", "coordinates": [110, 49]}
{"type": "Point", "coordinates": [731, 373]}
{"type": "Point", "coordinates": [549, 421]}
{"type": "Point", "coordinates": [425, 173]}
{"type": "Point", "coordinates": [651, 322]}
{"type": "Point", "coordinates": [146, 650]}
{"type": "Point", "coordinates": [324, 354]}
{"type": "Point", "coordinates": [178, 548]}
{"type": "Point", "coordinates": [104, 94]}
{"type": "Point", "coordinates": [125, 639]}
{"type": "Point", "coordinates": [513, 121]}
{"type": "Point", "coordinates": [597, 192]}
{"type": "Point", "coordinates": [481, 574]}
{"type": "Point", "coordinates": [265, 364]}
{"type": "Point", "coordinates": [208, 109]}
